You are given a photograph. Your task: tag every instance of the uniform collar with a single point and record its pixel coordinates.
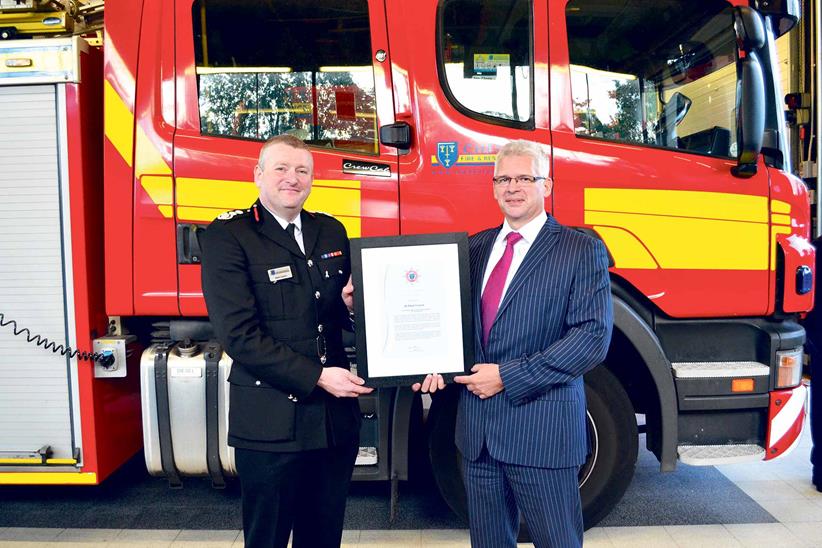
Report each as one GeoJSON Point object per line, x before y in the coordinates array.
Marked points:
{"type": "Point", "coordinates": [270, 226]}
{"type": "Point", "coordinates": [298, 222]}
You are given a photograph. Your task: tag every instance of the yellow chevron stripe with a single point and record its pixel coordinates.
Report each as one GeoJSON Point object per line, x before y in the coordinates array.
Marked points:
{"type": "Point", "coordinates": [778, 206]}
{"type": "Point", "coordinates": [687, 243]}
{"type": "Point", "coordinates": [679, 203]}
{"type": "Point", "coordinates": [160, 188]}
{"type": "Point", "coordinates": [214, 193]}
{"type": "Point", "coordinates": [47, 478]}
{"type": "Point", "coordinates": [776, 231]}
{"type": "Point", "coordinates": [201, 200]}
{"type": "Point", "coordinates": [148, 159]}
{"type": "Point", "coordinates": [119, 123]}
{"type": "Point", "coordinates": [632, 254]}
{"type": "Point", "coordinates": [781, 219]}
{"type": "Point", "coordinates": [673, 229]}
{"type": "Point", "coordinates": [335, 201]}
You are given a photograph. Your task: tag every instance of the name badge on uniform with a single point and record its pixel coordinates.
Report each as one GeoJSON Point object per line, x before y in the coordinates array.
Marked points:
{"type": "Point", "coordinates": [281, 273]}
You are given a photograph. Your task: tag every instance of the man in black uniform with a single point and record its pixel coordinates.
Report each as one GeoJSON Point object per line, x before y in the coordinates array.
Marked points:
{"type": "Point", "coordinates": [273, 277]}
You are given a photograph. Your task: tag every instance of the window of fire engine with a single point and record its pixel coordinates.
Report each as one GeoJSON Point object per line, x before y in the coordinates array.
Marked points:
{"type": "Point", "coordinates": [269, 67]}
{"type": "Point", "coordinates": [485, 58]}
{"type": "Point", "coordinates": [659, 73]}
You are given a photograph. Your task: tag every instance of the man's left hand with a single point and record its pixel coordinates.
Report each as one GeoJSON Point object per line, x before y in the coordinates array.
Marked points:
{"type": "Point", "coordinates": [485, 381]}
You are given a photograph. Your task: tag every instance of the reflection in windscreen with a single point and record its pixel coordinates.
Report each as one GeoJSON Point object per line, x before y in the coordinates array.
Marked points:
{"type": "Point", "coordinates": [636, 79]}
{"type": "Point", "coordinates": [314, 81]}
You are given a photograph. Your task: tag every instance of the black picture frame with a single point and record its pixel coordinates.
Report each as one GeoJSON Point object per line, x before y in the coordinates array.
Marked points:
{"type": "Point", "coordinates": [364, 315]}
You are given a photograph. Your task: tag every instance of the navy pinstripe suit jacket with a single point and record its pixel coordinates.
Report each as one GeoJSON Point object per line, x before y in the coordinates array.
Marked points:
{"type": "Point", "coordinates": [553, 325]}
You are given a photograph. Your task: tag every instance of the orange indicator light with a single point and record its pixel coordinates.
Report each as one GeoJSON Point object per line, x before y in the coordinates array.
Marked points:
{"type": "Point", "coordinates": [742, 385]}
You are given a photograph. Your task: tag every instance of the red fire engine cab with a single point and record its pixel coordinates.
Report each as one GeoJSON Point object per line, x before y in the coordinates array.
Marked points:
{"type": "Point", "coordinates": [666, 141]}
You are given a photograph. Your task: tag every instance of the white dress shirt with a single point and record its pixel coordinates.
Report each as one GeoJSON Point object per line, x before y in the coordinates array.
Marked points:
{"type": "Point", "coordinates": [298, 231]}
{"type": "Point", "coordinates": [529, 233]}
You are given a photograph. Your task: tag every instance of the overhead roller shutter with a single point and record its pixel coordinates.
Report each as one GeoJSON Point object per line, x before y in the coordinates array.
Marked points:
{"type": "Point", "coordinates": [36, 398]}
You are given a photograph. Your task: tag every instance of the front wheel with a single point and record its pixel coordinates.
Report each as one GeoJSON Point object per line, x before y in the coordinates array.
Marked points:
{"type": "Point", "coordinates": [612, 430]}
{"type": "Point", "coordinates": [603, 478]}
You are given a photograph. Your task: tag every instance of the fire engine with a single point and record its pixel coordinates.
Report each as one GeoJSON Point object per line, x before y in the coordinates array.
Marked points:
{"type": "Point", "coordinates": [667, 141]}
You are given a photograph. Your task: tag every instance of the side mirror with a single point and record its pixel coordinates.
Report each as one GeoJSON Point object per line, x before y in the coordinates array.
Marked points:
{"type": "Point", "coordinates": [749, 29]}
{"type": "Point", "coordinates": [750, 94]}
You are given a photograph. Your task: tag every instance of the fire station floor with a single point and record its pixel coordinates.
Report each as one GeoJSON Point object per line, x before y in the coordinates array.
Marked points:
{"type": "Point", "coordinates": [758, 504]}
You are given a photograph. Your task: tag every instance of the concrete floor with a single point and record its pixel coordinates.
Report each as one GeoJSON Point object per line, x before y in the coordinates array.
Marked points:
{"type": "Point", "coordinates": [783, 488]}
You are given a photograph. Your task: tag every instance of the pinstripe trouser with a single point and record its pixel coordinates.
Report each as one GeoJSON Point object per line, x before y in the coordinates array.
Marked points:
{"type": "Point", "coordinates": [547, 497]}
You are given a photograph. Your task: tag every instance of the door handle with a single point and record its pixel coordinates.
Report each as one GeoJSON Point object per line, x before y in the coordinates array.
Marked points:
{"type": "Point", "coordinates": [396, 135]}
{"type": "Point", "coordinates": [188, 243]}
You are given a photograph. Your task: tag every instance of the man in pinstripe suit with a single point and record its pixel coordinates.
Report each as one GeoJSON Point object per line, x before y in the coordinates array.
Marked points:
{"type": "Point", "coordinates": [543, 317]}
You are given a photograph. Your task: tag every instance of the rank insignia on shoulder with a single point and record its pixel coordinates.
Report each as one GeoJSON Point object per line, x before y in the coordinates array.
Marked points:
{"type": "Point", "coordinates": [332, 254]}
{"type": "Point", "coordinates": [230, 214]}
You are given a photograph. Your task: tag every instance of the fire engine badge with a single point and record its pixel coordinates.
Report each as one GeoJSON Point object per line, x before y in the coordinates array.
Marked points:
{"type": "Point", "coordinates": [447, 153]}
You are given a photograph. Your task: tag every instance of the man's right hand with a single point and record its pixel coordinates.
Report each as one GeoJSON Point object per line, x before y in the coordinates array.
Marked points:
{"type": "Point", "coordinates": [430, 384]}
{"type": "Point", "coordinates": [342, 383]}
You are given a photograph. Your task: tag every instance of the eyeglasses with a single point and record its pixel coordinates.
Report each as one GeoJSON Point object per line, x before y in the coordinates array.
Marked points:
{"type": "Point", "coordinates": [504, 180]}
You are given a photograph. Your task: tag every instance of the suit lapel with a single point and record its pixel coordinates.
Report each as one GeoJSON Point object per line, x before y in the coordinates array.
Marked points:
{"type": "Point", "coordinates": [545, 240]}
{"type": "Point", "coordinates": [271, 229]}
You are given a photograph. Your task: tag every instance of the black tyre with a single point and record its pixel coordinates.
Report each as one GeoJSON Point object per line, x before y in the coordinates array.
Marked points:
{"type": "Point", "coordinates": [612, 429]}
{"type": "Point", "coordinates": [603, 478]}
{"type": "Point", "coordinates": [446, 463]}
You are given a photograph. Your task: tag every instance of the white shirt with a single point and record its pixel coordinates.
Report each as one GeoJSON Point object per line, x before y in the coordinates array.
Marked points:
{"type": "Point", "coordinates": [529, 233]}
{"type": "Point", "coordinates": [298, 231]}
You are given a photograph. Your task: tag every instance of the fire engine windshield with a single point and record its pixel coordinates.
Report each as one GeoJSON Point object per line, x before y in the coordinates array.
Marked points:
{"type": "Point", "coordinates": [303, 68]}
{"type": "Point", "coordinates": [659, 73]}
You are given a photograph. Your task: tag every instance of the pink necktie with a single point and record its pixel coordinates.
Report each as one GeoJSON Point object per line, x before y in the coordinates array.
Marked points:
{"type": "Point", "coordinates": [496, 282]}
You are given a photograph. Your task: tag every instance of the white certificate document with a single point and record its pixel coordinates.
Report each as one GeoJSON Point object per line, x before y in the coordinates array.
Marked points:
{"type": "Point", "coordinates": [415, 323]}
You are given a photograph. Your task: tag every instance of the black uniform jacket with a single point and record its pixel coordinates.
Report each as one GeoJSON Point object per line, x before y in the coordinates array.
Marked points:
{"type": "Point", "coordinates": [277, 311]}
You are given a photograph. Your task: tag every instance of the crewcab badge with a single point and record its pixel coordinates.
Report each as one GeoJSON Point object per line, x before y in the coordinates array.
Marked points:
{"type": "Point", "coordinates": [281, 273]}
{"type": "Point", "coordinates": [357, 167]}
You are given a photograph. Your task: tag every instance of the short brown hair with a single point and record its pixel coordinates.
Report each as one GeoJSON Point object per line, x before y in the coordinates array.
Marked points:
{"type": "Point", "coordinates": [284, 139]}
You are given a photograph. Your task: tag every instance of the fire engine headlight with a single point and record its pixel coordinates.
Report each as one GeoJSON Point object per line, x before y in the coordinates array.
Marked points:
{"type": "Point", "coordinates": [789, 368]}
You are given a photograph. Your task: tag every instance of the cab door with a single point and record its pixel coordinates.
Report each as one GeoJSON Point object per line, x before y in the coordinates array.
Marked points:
{"type": "Point", "coordinates": [468, 77]}
{"type": "Point", "coordinates": [248, 70]}
{"type": "Point", "coordinates": [643, 115]}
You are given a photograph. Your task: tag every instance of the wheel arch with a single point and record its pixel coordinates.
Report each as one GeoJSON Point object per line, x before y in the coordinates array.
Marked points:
{"type": "Point", "coordinates": [634, 344]}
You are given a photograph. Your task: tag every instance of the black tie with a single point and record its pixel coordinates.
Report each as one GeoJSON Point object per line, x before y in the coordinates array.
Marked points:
{"type": "Point", "coordinates": [290, 229]}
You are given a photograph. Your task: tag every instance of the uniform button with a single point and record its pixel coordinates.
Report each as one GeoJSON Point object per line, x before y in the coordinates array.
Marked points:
{"type": "Point", "coordinates": [339, 271]}
{"type": "Point", "coordinates": [316, 294]}
{"type": "Point", "coordinates": [257, 383]}
{"type": "Point", "coordinates": [310, 263]}
{"type": "Point", "coordinates": [320, 328]}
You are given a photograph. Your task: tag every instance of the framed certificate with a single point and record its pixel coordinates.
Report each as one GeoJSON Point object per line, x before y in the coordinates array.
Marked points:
{"type": "Point", "coordinates": [412, 307]}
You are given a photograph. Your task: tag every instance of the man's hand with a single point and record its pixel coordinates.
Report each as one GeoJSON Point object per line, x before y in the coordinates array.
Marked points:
{"type": "Point", "coordinates": [342, 383]}
{"type": "Point", "coordinates": [348, 295]}
{"type": "Point", "coordinates": [430, 384]}
{"type": "Point", "coordinates": [485, 382]}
